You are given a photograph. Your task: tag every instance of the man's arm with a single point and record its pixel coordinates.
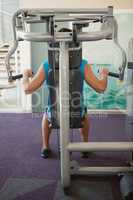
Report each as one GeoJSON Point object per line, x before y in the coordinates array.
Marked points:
{"type": "Point", "coordinates": [31, 85]}
{"type": "Point", "coordinates": [99, 85]}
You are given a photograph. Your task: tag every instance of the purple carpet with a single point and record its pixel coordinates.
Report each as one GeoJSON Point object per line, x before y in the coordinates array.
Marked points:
{"type": "Point", "coordinates": [21, 164]}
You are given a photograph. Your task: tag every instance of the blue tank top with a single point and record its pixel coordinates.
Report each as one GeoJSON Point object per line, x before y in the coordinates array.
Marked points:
{"type": "Point", "coordinates": [46, 68]}
{"type": "Point", "coordinates": [45, 65]}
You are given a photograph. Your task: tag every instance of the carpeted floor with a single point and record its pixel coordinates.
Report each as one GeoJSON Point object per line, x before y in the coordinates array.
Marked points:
{"type": "Point", "coordinates": [24, 175]}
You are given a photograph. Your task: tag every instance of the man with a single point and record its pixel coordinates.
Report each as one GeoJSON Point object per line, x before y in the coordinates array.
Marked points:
{"type": "Point", "coordinates": [32, 85]}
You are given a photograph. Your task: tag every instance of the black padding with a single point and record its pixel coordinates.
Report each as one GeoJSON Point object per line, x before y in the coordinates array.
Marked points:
{"type": "Point", "coordinates": [115, 75]}
{"type": "Point", "coordinates": [52, 97]}
{"type": "Point", "coordinates": [17, 77]}
{"type": "Point", "coordinates": [75, 85]}
{"type": "Point", "coordinates": [53, 57]}
{"type": "Point", "coordinates": [130, 65]}
{"type": "Point", "coordinates": [76, 99]}
{"type": "Point", "coordinates": [75, 58]}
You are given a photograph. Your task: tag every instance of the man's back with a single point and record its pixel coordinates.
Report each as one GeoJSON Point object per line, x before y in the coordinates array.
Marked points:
{"type": "Point", "coordinates": [77, 108]}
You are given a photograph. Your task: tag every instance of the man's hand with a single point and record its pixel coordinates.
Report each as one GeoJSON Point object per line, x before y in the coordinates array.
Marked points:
{"type": "Point", "coordinates": [104, 73]}
{"type": "Point", "coordinates": [28, 73]}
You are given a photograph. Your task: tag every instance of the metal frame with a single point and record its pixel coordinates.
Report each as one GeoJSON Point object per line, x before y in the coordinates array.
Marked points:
{"type": "Point", "coordinates": [130, 92]}
{"type": "Point", "coordinates": [108, 31]}
{"type": "Point", "coordinates": [50, 16]}
{"type": "Point", "coordinates": [64, 112]}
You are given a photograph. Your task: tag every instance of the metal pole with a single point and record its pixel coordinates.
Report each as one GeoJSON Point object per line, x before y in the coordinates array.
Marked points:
{"type": "Point", "coordinates": [129, 123]}
{"type": "Point", "coordinates": [1, 24]}
{"type": "Point", "coordinates": [64, 113]}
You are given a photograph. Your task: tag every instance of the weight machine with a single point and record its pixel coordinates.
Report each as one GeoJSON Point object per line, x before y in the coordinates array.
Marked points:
{"type": "Point", "coordinates": [79, 18]}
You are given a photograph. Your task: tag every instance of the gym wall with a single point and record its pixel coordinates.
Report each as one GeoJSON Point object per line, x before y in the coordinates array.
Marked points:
{"type": "Point", "coordinates": [118, 4]}
{"type": "Point", "coordinates": [105, 53]}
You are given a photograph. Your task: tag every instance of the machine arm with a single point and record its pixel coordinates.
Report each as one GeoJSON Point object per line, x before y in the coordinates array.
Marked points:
{"type": "Point", "coordinates": [50, 16]}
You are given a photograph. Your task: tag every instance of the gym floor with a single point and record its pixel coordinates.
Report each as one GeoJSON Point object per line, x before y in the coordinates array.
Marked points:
{"type": "Point", "coordinates": [25, 175]}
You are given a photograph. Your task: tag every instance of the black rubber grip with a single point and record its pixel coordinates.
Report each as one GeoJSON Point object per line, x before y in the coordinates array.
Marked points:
{"type": "Point", "coordinates": [130, 65]}
{"type": "Point", "coordinates": [17, 77]}
{"type": "Point", "coordinates": [115, 75]}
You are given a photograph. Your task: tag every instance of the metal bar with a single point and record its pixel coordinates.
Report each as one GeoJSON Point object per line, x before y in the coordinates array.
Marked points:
{"type": "Point", "coordinates": [64, 112]}
{"type": "Point", "coordinates": [129, 94]}
{"type": "Point", "coordinates": [100, 146]}
{"type": "Point", "coordinates": [103, 170]}
{"type": "Point", "coordinates": [130, 51]}
{"type": "Point", "coordinates": [14, 46]}
{"type": "Point", "coordinates": [42, 37]}
{"type": "Point", "coordinates": [123, 53]}
{"type": "Point", "coordinates": [8, 56]}
{"type": "Point", "coordinates": [94, 36]}
{"type": "Point", "coordinates": [34, 37]}
{"type": "Point", "coordinates": [68, 11]}
{"type": "Point", "coordinates": [7, 86]}
{"type": "Point", "coordinates": [41, 18]}
{"type": "Point", "coordinates": [78, 18]}
{"type": "Point", "coordinates": [129, 83]}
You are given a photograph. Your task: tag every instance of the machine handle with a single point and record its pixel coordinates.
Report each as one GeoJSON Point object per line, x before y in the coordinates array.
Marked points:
{"type": "Point", "coordinates": [115, 75]}
{"type": "Point", "coordinates": [16, 77]}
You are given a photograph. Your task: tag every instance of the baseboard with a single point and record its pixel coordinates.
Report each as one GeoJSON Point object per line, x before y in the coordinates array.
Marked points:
{"type": "Point", "coordinates": [14, 110]}
{"type": "Point", "coordinates": [106, 112]}
{"type": "Point", "coordinates": [94, 111]}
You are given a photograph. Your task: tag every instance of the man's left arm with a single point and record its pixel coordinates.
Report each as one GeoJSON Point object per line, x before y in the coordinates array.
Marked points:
{"type": "Point", "coordinates": [99, 85]}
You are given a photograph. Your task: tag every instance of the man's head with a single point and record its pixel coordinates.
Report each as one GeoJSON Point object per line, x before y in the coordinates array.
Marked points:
{"type": "Point", "coordinates": [65, 30]}
{"type": "Point", "coordinates": [71, 44]}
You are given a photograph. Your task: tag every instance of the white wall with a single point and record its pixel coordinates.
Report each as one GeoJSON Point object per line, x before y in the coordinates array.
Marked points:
{"type": "Point", "coordinates": [123, 4]}
{"type": "Point", "coordinates": [104, 51]}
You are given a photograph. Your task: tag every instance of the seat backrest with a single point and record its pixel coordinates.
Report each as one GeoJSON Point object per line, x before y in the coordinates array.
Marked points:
{"type": "Point", "coordinates": [75, 87]}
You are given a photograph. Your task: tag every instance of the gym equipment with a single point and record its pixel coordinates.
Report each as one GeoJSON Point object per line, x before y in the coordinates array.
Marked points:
{"type": "Point", "coordinates": [7, 86]}
{"type": "Point", "coordinates": [126, 182]}
{"type": "Point", "coordinates": [79, 18]}
{"type": "Point", "coordinates": [75, 87]}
